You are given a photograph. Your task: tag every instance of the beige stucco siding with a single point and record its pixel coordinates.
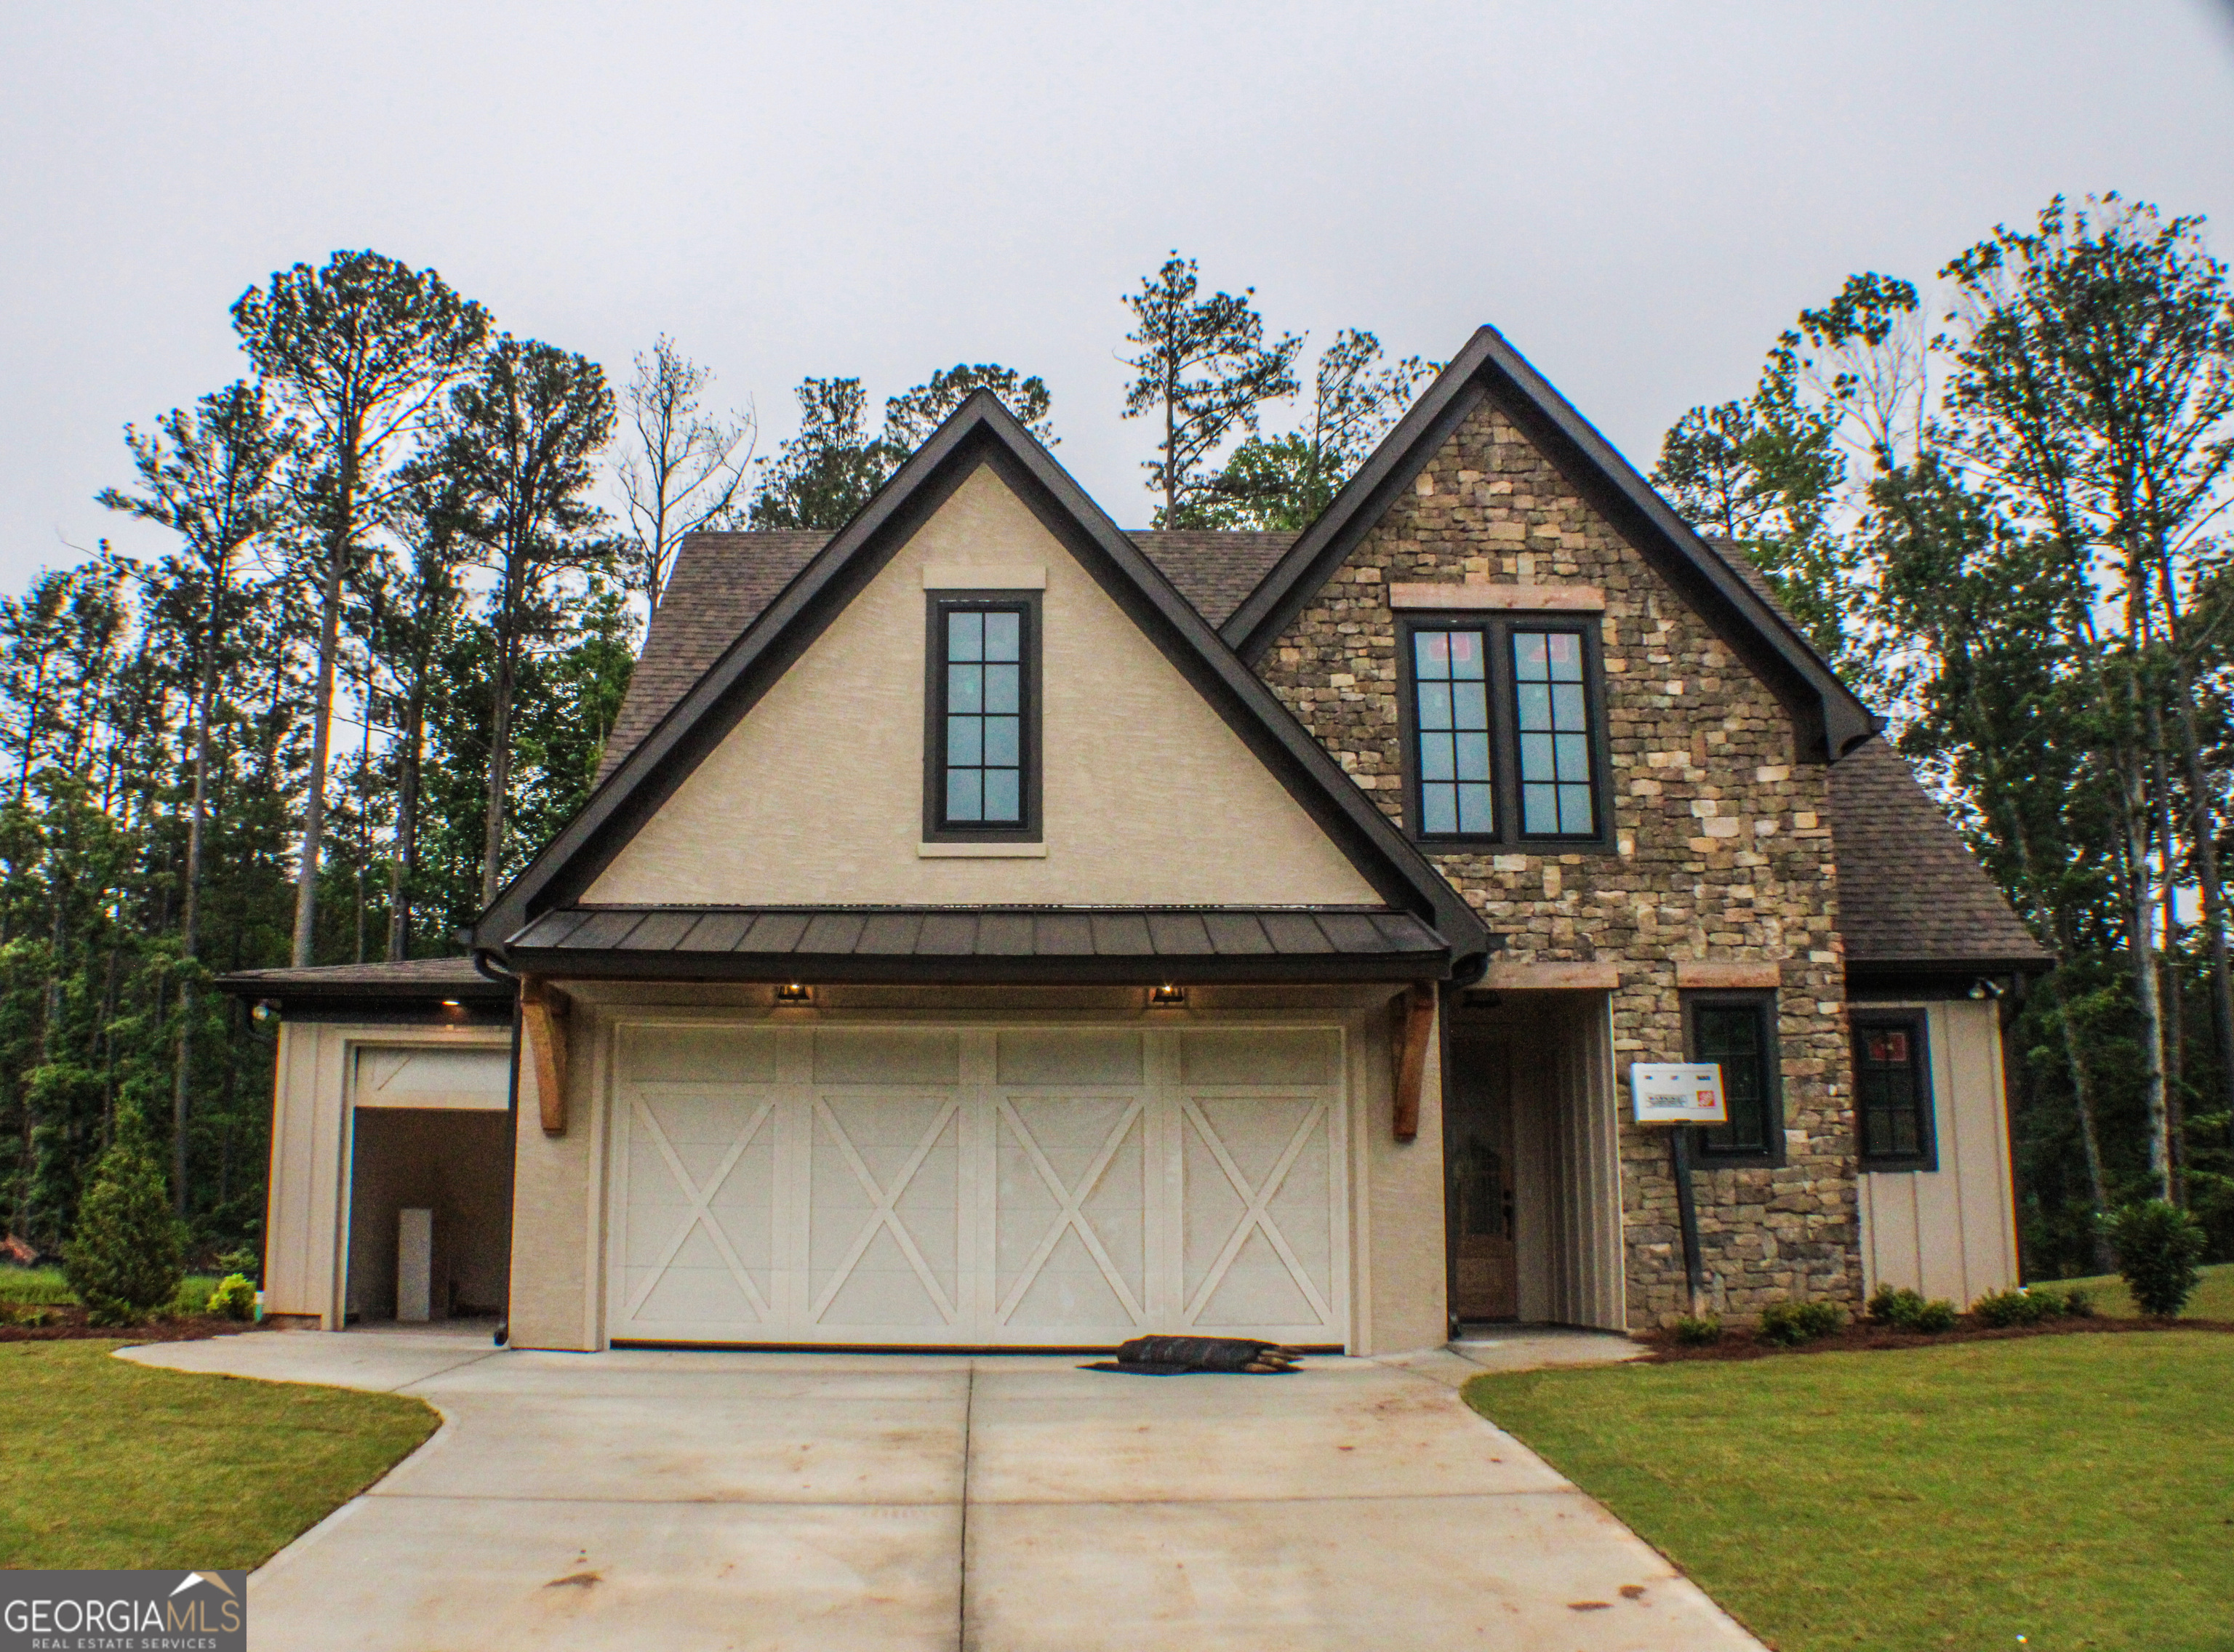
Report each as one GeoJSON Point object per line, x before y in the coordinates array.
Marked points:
{"type": "Point", "coordinates": [1397, 1240]}
{"type": "Point", "coordinates": [817, 794]}
{"type": "Point", "coordinates": [557, 1206]}
{"type": "Point", "coordinates": [1950, 1232]}
{"type": "Point", "coordinates": [306, 1215]}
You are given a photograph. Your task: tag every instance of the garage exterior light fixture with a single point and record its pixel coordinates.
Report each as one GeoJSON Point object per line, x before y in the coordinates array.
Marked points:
{"type": "Point", "coordinates": [1166, 997]}
{"type": "Point", "coordinates": [793, 993]}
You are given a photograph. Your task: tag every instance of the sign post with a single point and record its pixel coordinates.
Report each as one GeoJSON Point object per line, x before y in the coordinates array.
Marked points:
{"type": "Point", "coordinates": [1684, 1094]}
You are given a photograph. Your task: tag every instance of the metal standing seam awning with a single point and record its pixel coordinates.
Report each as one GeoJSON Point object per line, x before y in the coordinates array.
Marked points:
{"type": "Point", "coordinates": [1005, 945]}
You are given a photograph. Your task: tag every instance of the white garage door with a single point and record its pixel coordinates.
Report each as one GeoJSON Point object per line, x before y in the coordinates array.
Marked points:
{"type": "Point", "coordinates": [977, 1187]}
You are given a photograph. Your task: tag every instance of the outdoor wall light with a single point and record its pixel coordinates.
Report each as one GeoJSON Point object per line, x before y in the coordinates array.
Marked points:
{"type": "Point", "coordinates": [1166, 996]}
{"type": "Point", "coordinates": [793, 993]}
{"type": "Point", "coordinates": [452, 1003]}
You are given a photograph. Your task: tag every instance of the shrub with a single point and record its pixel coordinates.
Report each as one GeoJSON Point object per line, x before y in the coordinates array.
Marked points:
{"type": "Point", "coordinates": [234, 1298]}
{"type": "Point", "coordinates": [1793, 1323]}
{"type": "Point", "coordinates": [1896, 1308]}
{"type": "Point", "coordinates": [1699, 1332]}
{"type": "Point", "coordinates": [247, 1262]}
{"type": "Point", "coordinates": [2158, 1247]}
{"type": "Point", "coordinates": [2003, 1308]}
{"type": "Point", "coordinates": [1933, 1317]}
{"type": "Point", "coordinates": [2078, 1303]}
{"type": "Point", "coordinates": [124, 1259]}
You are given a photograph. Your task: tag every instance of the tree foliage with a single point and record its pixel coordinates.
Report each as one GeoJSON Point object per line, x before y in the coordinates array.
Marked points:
{"type": "Point", "coordinates": [2007, 521]}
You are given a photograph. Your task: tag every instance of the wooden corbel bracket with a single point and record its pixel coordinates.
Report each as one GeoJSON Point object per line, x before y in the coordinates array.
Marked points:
{"type": "Point", "coordinates": [1414, 1013]}
{"type": "Point", "coordinates": [544, 1011]}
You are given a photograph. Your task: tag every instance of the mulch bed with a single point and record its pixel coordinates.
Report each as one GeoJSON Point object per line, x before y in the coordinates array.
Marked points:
{"type": "Point", "coordinates": [69, 1325]}
{"type": "Point", "coordinates": [1741, 1343]}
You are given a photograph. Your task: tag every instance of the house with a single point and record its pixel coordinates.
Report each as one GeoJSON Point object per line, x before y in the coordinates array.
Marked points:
{"type": "Point", "coordinates": [995, 929]}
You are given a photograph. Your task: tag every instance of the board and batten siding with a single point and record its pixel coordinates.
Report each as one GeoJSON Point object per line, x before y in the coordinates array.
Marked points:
{"type": "Point", "coordinates": [317, 1085]}
{"type": "Point", "coordinates": [1950, 1232]}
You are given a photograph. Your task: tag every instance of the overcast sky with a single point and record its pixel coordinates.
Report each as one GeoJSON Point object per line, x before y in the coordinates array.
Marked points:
{"type": "Point", "coordinates": [1638, 195]}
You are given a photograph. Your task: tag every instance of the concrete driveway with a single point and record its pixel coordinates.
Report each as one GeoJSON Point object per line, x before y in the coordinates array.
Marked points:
{"type": "Point", "coordinates": [674, 1499]}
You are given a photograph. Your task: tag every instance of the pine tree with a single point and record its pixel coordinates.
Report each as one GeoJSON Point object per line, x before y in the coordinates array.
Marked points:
{"type": "Point", "coordinates": [124, 1260]}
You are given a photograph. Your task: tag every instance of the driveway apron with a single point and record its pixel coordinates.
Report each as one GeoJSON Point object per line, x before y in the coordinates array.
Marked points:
{"type": "Point", "coordinates": [687, 1499]}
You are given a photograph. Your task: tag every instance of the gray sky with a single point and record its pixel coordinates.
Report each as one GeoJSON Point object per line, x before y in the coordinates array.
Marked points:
{"type": "Point", "coordinates": [1639, 195]}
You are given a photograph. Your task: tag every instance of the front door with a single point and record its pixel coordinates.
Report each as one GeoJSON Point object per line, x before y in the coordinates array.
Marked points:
{"type": "Point", "coordinates": [1484, 1279]}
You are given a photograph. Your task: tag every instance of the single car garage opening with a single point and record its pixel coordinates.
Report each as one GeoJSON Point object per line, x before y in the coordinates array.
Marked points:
{"type": "Point", "coordinates": [430, 1132]}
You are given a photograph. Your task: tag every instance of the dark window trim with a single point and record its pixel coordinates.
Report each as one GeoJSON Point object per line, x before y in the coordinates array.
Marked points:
{"type": "Point", "coordinates": [1497, 627]}
{"type": "Point", "coordinates": [1764, 1003]}
{"type": "Point", "coordinates": [937, 605]}
{"type": "Point", "coordinates": [1918, 1025]}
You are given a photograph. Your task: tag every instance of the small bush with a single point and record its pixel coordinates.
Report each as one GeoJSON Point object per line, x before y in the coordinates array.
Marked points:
{"type": "Point", "coordinates": [30, 1318]}
{"type": "Point", "coordinates": [1932, 1317]}
{"type": "Point", "coordinates": [1791, 1323]}
{"type": "Point", "coordinates": [247, 1262]}
{"type": "Point", "coordinates": [123, 1260]}
{"type": "Point", "coordinates": [1702, 1332]}
{"type": "Point", "coordinates": [2078, 1303]}
{"type": "Point", "coordinates": [234, 1299]}
{"type": "Point", "coordinates": [2004, 1309]}
{"type": "Point", "coordinates": [2160, 1247]}
{"type": "Point", "coordinates": [1896, 1308]}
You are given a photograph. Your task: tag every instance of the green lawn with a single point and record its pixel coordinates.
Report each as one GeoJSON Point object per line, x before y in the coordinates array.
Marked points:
{"type": "Point", "coordinates": [2213, 1298]}
{"type": "Point", "coordinates": [46, 1287]}
{"type": "Point", "coordinates": [112, 1464]}
{"type": "Point", "coordinates": [2077, 1490]}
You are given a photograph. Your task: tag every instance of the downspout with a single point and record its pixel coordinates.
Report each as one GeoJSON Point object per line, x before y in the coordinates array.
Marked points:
{"type": "Point", "coordinates": [483, 961]}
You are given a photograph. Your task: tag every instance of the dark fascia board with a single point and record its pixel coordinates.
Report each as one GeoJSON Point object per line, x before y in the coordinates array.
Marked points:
{"type": "Point", "coordinates": [1880, 975]}
{"type": "Point", "coordinates": [981, 432]}
{"type": "Point", "coordinates": [852, 968]}
{"type": "Point", "coordinates": [258, 985]}
{"type": "Point", "coordinates": [1832, 718]}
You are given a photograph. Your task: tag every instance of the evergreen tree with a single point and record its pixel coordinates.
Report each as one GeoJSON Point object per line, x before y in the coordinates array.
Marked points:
{"type": "Point", "coordinates": [123, 1260]}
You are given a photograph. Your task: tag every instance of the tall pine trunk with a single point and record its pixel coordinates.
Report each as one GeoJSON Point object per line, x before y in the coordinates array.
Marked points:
{"type": "Point", "coordinates": [501, 741]}
{"type": "Point", "coordinates": [190, 901]}
{"type": "Point", "coordinates": [322, 708]}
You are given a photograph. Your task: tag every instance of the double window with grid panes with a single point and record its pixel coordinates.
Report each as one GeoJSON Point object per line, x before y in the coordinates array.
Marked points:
{"type": "Point", "coordinates": [981, 761]}
{"type": "Point", "coordinates": [1504, 737]}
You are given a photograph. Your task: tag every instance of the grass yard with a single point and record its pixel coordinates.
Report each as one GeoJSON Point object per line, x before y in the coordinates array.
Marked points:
{"type": "Point", "coordinates": [111, 1465]}
{"type": "Point", "coordinates": [2213, 1298]}
{"type": "Point", "coordinates": [46, 1287]}
{"type": "Point", "coordinates": [2077, 1491]}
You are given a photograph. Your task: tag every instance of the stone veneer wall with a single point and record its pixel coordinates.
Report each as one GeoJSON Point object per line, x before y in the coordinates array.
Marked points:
{"type": "Point", "coordinates": [1724, 848]}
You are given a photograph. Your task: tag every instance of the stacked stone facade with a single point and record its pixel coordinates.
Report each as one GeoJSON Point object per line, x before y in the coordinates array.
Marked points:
{"type": "Point", "coordinates": [1721, 853]}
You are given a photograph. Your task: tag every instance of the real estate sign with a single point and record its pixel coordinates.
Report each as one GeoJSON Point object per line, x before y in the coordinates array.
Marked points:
{"type": "Point", "coordinates": [1677, 1093]}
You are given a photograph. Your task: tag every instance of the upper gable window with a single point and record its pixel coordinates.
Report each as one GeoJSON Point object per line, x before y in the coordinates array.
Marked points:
{"type": "Point", "coordinates": [981, 753]}
{"type": "Point", "coordinates": [1502, 737]}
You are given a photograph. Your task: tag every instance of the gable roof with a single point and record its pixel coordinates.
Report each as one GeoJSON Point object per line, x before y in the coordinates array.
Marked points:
{"type": "Point", "coordinates": [981, 433]}
{"type": "Point", "coordinates": [1832, 719]}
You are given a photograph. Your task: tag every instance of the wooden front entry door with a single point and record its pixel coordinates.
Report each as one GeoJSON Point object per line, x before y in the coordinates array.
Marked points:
{"type": "Point", "coordinates": [1485, 1274]}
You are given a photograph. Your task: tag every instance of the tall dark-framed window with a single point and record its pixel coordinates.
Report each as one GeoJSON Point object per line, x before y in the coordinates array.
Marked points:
{"type": "Point", "coordinates": [1737, 1031]}
{"type": "Point", "coordinates": [982, 733]}
{"type": "Point", "coordinates": [1503, 730]}
{"type": "Point", "coordinates": [1450, 677]}
{"type": "Point", "coordinates": [1558, 790]}
{"type": "Point", "coordinates": [1893, 1092]}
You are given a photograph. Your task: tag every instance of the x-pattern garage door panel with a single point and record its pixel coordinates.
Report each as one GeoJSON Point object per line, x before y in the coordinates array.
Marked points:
{"type": "Point", "coordinates": [698, 1237]}
{"type": "Point", "coordinates": [977, 1187]}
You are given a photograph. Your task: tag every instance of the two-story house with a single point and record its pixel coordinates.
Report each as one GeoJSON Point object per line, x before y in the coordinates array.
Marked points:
{"type": "Point", "coordinates": [996, 929]}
